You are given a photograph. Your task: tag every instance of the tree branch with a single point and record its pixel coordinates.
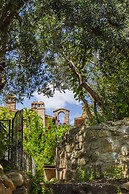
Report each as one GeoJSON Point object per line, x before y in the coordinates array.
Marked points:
{"type": "Point", "coordinates": [9, 11]}
{"type": "Point", "coordinates": [87, 108]}
{"type": "Point", "coordinates": [83, 83]}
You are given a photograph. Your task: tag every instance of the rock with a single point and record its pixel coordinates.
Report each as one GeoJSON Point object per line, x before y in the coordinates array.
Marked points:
{"type": "Point", "coordinates": [16, 178]}
{"type": "Point", "coordinates": [125, 150]}
{"type": "Point", "coordinates": [86, 188]}
{"type": "Point", "coordinates": [82, 192]}
{"type": "Point", "coordinates": [1, 170]}
{"type": "Point", "coordinates": [14, 183]}
{"type": "Point", "coordinates": [3, 189]}
{"type": "Point", "coordinates": [125, 186]}
{"type": "Point", "coordinates": [27, 182]}
{"type": "Point", "coordinates": [107, 189]}
{"type": "Point", "coordinates": [81, 161]}
{"type": "Point", "coordinates": [8, 183]}
{"type": "Point", "coordinates": [20, 190]}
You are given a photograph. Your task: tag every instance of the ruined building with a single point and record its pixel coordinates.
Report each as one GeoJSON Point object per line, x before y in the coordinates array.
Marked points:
{"type": "Point", "coordinates": [39, 107]}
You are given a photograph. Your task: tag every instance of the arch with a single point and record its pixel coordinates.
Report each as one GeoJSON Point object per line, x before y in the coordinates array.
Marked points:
{"type": "Point", "coordinates": [61, 117]}
{"type": "Point", "coordinates": [62, 110]}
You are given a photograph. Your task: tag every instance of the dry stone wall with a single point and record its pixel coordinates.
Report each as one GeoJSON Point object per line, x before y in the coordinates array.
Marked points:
{"type": "Point", "coordinates": [96, 149]}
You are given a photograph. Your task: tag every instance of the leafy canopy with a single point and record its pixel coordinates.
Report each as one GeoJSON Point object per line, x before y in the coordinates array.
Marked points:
{"type": "Point", "coordinates": [80, 45]}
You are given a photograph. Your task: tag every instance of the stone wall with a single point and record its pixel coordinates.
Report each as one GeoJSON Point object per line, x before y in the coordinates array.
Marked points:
{"type": "Point", "coordinates": [86, 188]}
{"type": "Point", "coordinates": [97, 149]}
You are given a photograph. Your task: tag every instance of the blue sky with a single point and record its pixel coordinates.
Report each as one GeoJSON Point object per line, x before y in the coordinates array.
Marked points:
{"type": "Point", "coordinates": [59, 100]}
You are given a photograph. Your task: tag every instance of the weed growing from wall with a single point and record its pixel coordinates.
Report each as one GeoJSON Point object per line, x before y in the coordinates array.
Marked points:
{"type": "Point", "coordinates": [115, 173]}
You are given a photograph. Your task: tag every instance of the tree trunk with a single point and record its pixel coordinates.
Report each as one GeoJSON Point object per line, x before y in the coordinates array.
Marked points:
{"type": "Point", "coordinates": [8, 12]}
{"type": "Point", "coordinates": [95, 111]}
{"type": "Point", "coordinates": [4, 39]}
{"type": "Point", "coordinates": [87, 108]}
{"type": "Point", "coordinates": [84, 84]}
{"type": "Point", "coordinates": [94, 95]}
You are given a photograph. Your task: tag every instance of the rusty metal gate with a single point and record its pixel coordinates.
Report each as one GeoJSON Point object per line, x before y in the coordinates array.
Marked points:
{"type": "Point", "coordinates": [13, 133]}
{"type": "Point", "coordinates": [16, 137]}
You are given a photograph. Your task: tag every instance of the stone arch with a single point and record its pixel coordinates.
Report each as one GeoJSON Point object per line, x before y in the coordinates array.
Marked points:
{"type": "Point", "coordinates": [62, 110]}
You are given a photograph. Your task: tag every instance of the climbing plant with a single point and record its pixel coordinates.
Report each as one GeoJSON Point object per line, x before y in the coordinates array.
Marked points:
{"type": "Point", "coordinates": [40, 142]}
{"type": "Point", "coordinates": [5, 115]}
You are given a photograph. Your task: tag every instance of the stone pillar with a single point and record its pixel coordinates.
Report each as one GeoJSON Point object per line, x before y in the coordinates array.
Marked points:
{"type": "Point", "coordinates": [66, 117]}
{"type": "Point", "coordinates": [39, 107]}
{"type": "Point", "coordinates": [11, 102]}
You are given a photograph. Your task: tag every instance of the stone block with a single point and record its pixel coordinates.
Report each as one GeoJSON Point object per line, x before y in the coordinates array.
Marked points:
{"type": "Point", "coordinates": [106, 145]}
{"type": "Point", "coordinates": [108, 157]}
{"type": "Point", "coordinates": [94, 156]}
{"type": "Point", "coordinates": [125, 186]}
{"type": "Point", "coordinates": [8, 183]}
{"type": "Point", "coordinates": [80, 138]}
{"type": "Point", "coordinates": [1, 170]}
{"type": "Point", "coordinates": [62, 163]}
{"type": "Point", "coordinates": [124, 130]}
{"type": "Point", "coordinates": [81, 162]}
{"type": "Point", "coordinates": [74, 164]}
{"type": "Point", "coordinates": [68, 148]}
{"type": "Point", "coordinates": [78, 146]}
{"type": "Point", "coordinates": [4, 190]}
{"type": "Point", "coordinates": [125, 150]}
{"type": "Point", "coordinates": [16, 178]}
{"type": "Point", "coordinates": [20, 190]}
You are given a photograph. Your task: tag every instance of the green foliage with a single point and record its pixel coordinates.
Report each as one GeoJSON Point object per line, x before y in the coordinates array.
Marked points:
{"type": "Point", "coordinates": [82, 175]}
{"type": "Point", "coordinates": [33, 128]}
{"type": "Point", "coordinates": [115, 173]}
{"type": "Point", "coordinates": [119, 190]}
{"type": "Point", "coordinates": [115, 93]}
{"type": "Point", "coordinates": [47, 190]}
{"type": "Point", "coordinates": [80, 36]}
{"type": "Point", "coordinates": [86, 175]}
{"type": "Point", "coordinates": [35, 184]}
{"type": "Point", "coordinates": [37, 188]}
{"type": "Point", "coordinates": [3, 142]}
{"type": "Point", "coordinates": [100, 119]}
{"type": "Point", "coordinates": [39, 142]}
{"type": "Point", "coordinates": [6, 115]}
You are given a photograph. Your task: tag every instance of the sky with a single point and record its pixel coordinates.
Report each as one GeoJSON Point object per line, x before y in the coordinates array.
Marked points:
{"type": "Point", "coordinates": [59, 100]}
